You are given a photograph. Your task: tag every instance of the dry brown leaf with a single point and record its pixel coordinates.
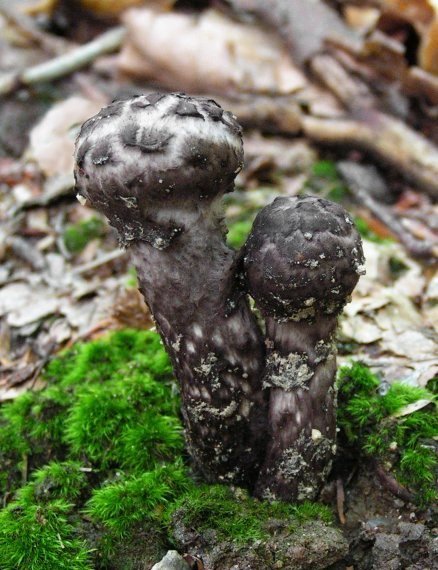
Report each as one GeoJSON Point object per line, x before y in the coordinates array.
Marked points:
{"type": "Point", "coordinates": [423, 16]}
{"type": "Point", "coordinates": [411, 408]}
{"type": "Point", "coordinates": [51, 143]}
{"type": "Point", "coordinates": [419, 12]}
{"type": "Point", "coordinates": [206, 52]}
{"type": "Point", "coordinates": [33, 308]}
{"type": "Point", "coordinates": [362, 18]}
{"type": "Point", "coordinates": [130, 310]}
{"type": "Point", "coordinates": [384, 312]}
{"type": "Point", "coordinates": [428, 53]}
{"type": "Point", "coordinates": [113, 7]}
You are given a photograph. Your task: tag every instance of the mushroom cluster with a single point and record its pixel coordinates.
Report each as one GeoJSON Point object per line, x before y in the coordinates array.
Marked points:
{"type": "Point", "coordinates": [258, 412]}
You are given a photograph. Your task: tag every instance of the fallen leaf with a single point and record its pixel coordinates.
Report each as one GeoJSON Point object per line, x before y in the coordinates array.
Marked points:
{"type": "Point", "coordinates": [178, 49]}
{"type": "Point", "coordinates": [51, 141]}
{"type": "Point", "coordinates": [411, 408]}
{"type": "Point", "coordinates": [384, 313]}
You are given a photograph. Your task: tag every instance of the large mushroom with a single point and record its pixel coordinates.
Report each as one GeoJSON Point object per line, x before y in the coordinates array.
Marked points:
{"type": "Point", "coordinates": [157, 165]}
{"type": "Point", "coordinates": [302, 260]}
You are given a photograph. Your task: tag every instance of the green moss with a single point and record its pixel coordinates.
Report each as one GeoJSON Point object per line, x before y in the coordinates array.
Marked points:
{"type": "Point", "coordinates": [119, 505]}
{"type": "Point", "coordinates": [324, 180]}
{"type": "Point", "coordinates": [110, 407]}
{"type": "Point", "coordinates": [76, 236]}
{"type": "Point", "coordinates": [119, 356]}
{"type": "Point", "coordinates": [134, 506]}
{"type": "Point", "coordinates": [366, 232]}
{"type": "Point", "coordinates": [325, 169]}
{"type": "Point", "coordinates": [109, 423]}
{"type": "Point", "coordinates": [432, 385]}
{"type": "Point", "coordinates": [66, 481]}
{"type": "Point", "coordinates": [238, 517]}
{"type": "Point", "coordinates": [42, 426]}
{"type": "Point", "coordinates": [38, 537]}
{"type": "Point", "coordinates": [381, 425]}
{"type": "Point", "coordinates": [238, 232]}
{"type": "Point", "coordinates": [36, 530]}
{"type": "Point", "coordinates": [31, 430]}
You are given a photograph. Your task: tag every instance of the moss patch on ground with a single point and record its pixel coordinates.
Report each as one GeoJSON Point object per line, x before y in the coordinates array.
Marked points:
{"type": "Point", "coordinates": [76, 236]}
{"type": "Point", "coordinates": [92, 470]}
{"type": "Point", "coordinates": [398, 428]}
{"type": "Point", "coordinates": [90, 452]}
{"type": "Point", "coordinates": [234, 515]}
{"type": "Point", "coordinates": [92, 467]}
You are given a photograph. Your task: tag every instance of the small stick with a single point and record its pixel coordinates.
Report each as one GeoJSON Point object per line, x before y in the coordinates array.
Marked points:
{"type": "Point", "coordinates": [115, 254]}
{"type": "Point", "coordinates": [392, 485]}
{"type": "Point", "coordinates": [340, 500]}
{"type": "Point", "coordinates": [64, 64]}
{"type": "Point", "coordinates": [354, 176]}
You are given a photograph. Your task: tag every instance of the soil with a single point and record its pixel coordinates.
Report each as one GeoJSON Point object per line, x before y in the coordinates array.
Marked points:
{"type": "Point", "coordinates": [381, 532]}
{"type": "Point", "coordinates": [384, 532]}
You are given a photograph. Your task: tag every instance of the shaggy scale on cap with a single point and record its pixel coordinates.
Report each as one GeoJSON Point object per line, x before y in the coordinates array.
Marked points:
{"type": "Point", "coordinates": [303, 258]}
{"type": "Point", "coordinates": [140, 155]}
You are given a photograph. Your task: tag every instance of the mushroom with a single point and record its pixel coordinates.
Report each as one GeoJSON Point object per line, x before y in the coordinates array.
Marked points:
{"type": "Point", "coordinates": [302, 260]}
{"type": "Point", "coordinates": [157, 166]}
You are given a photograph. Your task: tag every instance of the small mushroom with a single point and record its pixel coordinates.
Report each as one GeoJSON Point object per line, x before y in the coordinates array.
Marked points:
{"type": "Point", "coordinates": [302, 260]}
{"type": "Point", "coordinates": [157, 166]}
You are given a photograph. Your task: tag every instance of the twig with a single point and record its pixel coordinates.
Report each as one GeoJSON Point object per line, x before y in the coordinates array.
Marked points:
{"type": "Point", "coordinates": [64, 64]}
{"type": "Point", "coordinates": [382, 134]}
{"type": "Point", "coordinates": [115, 254]}
{"type": "Point", "coordinates": [355, 176]}
{"type": "Point", "coordinates": [24, 468]}
{"type": "Point", "coordinates": [27, 252]}
{"type": "Point", "coordinates": [392, 485]}
{"type": "Point", "coordinates": [340, 499]}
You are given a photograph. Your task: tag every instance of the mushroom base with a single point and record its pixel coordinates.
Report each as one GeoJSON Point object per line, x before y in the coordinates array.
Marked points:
{"type": "Point", "coordinates": [214, 342]}
{"type": "Point", "coordinates": [300, 372]}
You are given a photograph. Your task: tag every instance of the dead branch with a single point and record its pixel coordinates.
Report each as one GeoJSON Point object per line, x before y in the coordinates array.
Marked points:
{"type": "Point", "coordinates": [364, 125]}
{"type": "Point", "coordinates": [383, 135]}
{"type": "Point", "coordinates": [304, 26]}
{"type": "Point", "coordinates": [102, 260]}
{"type": "Point", "coordinates": [357, 179]}
{"type": "Point", "coordinates": [64, 64]}
{"type": "Point", "coordinates": [388, 139]}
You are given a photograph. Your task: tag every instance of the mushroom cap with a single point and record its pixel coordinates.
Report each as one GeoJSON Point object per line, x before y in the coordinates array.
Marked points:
{"type": "Point", "coordinates": [139, 156]}
{"type": "Point", "coordinates": [302, 259]}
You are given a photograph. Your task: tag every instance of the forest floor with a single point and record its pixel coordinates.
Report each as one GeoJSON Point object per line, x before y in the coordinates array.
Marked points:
{"type": "Point", "coordinates": [64, 280]}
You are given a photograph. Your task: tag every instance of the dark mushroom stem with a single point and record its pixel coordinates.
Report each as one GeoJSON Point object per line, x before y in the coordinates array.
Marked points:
{"type": "Point", "coordinates": [302, 260]}
{"type": "Point", "coordinates": [157, 166]}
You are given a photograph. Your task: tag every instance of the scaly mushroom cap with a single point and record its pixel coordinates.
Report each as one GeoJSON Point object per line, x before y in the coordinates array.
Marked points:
{"type": "Point", "coordinates": [137, 157]}
{"type": "Point", "coordinates": [303, 258]}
